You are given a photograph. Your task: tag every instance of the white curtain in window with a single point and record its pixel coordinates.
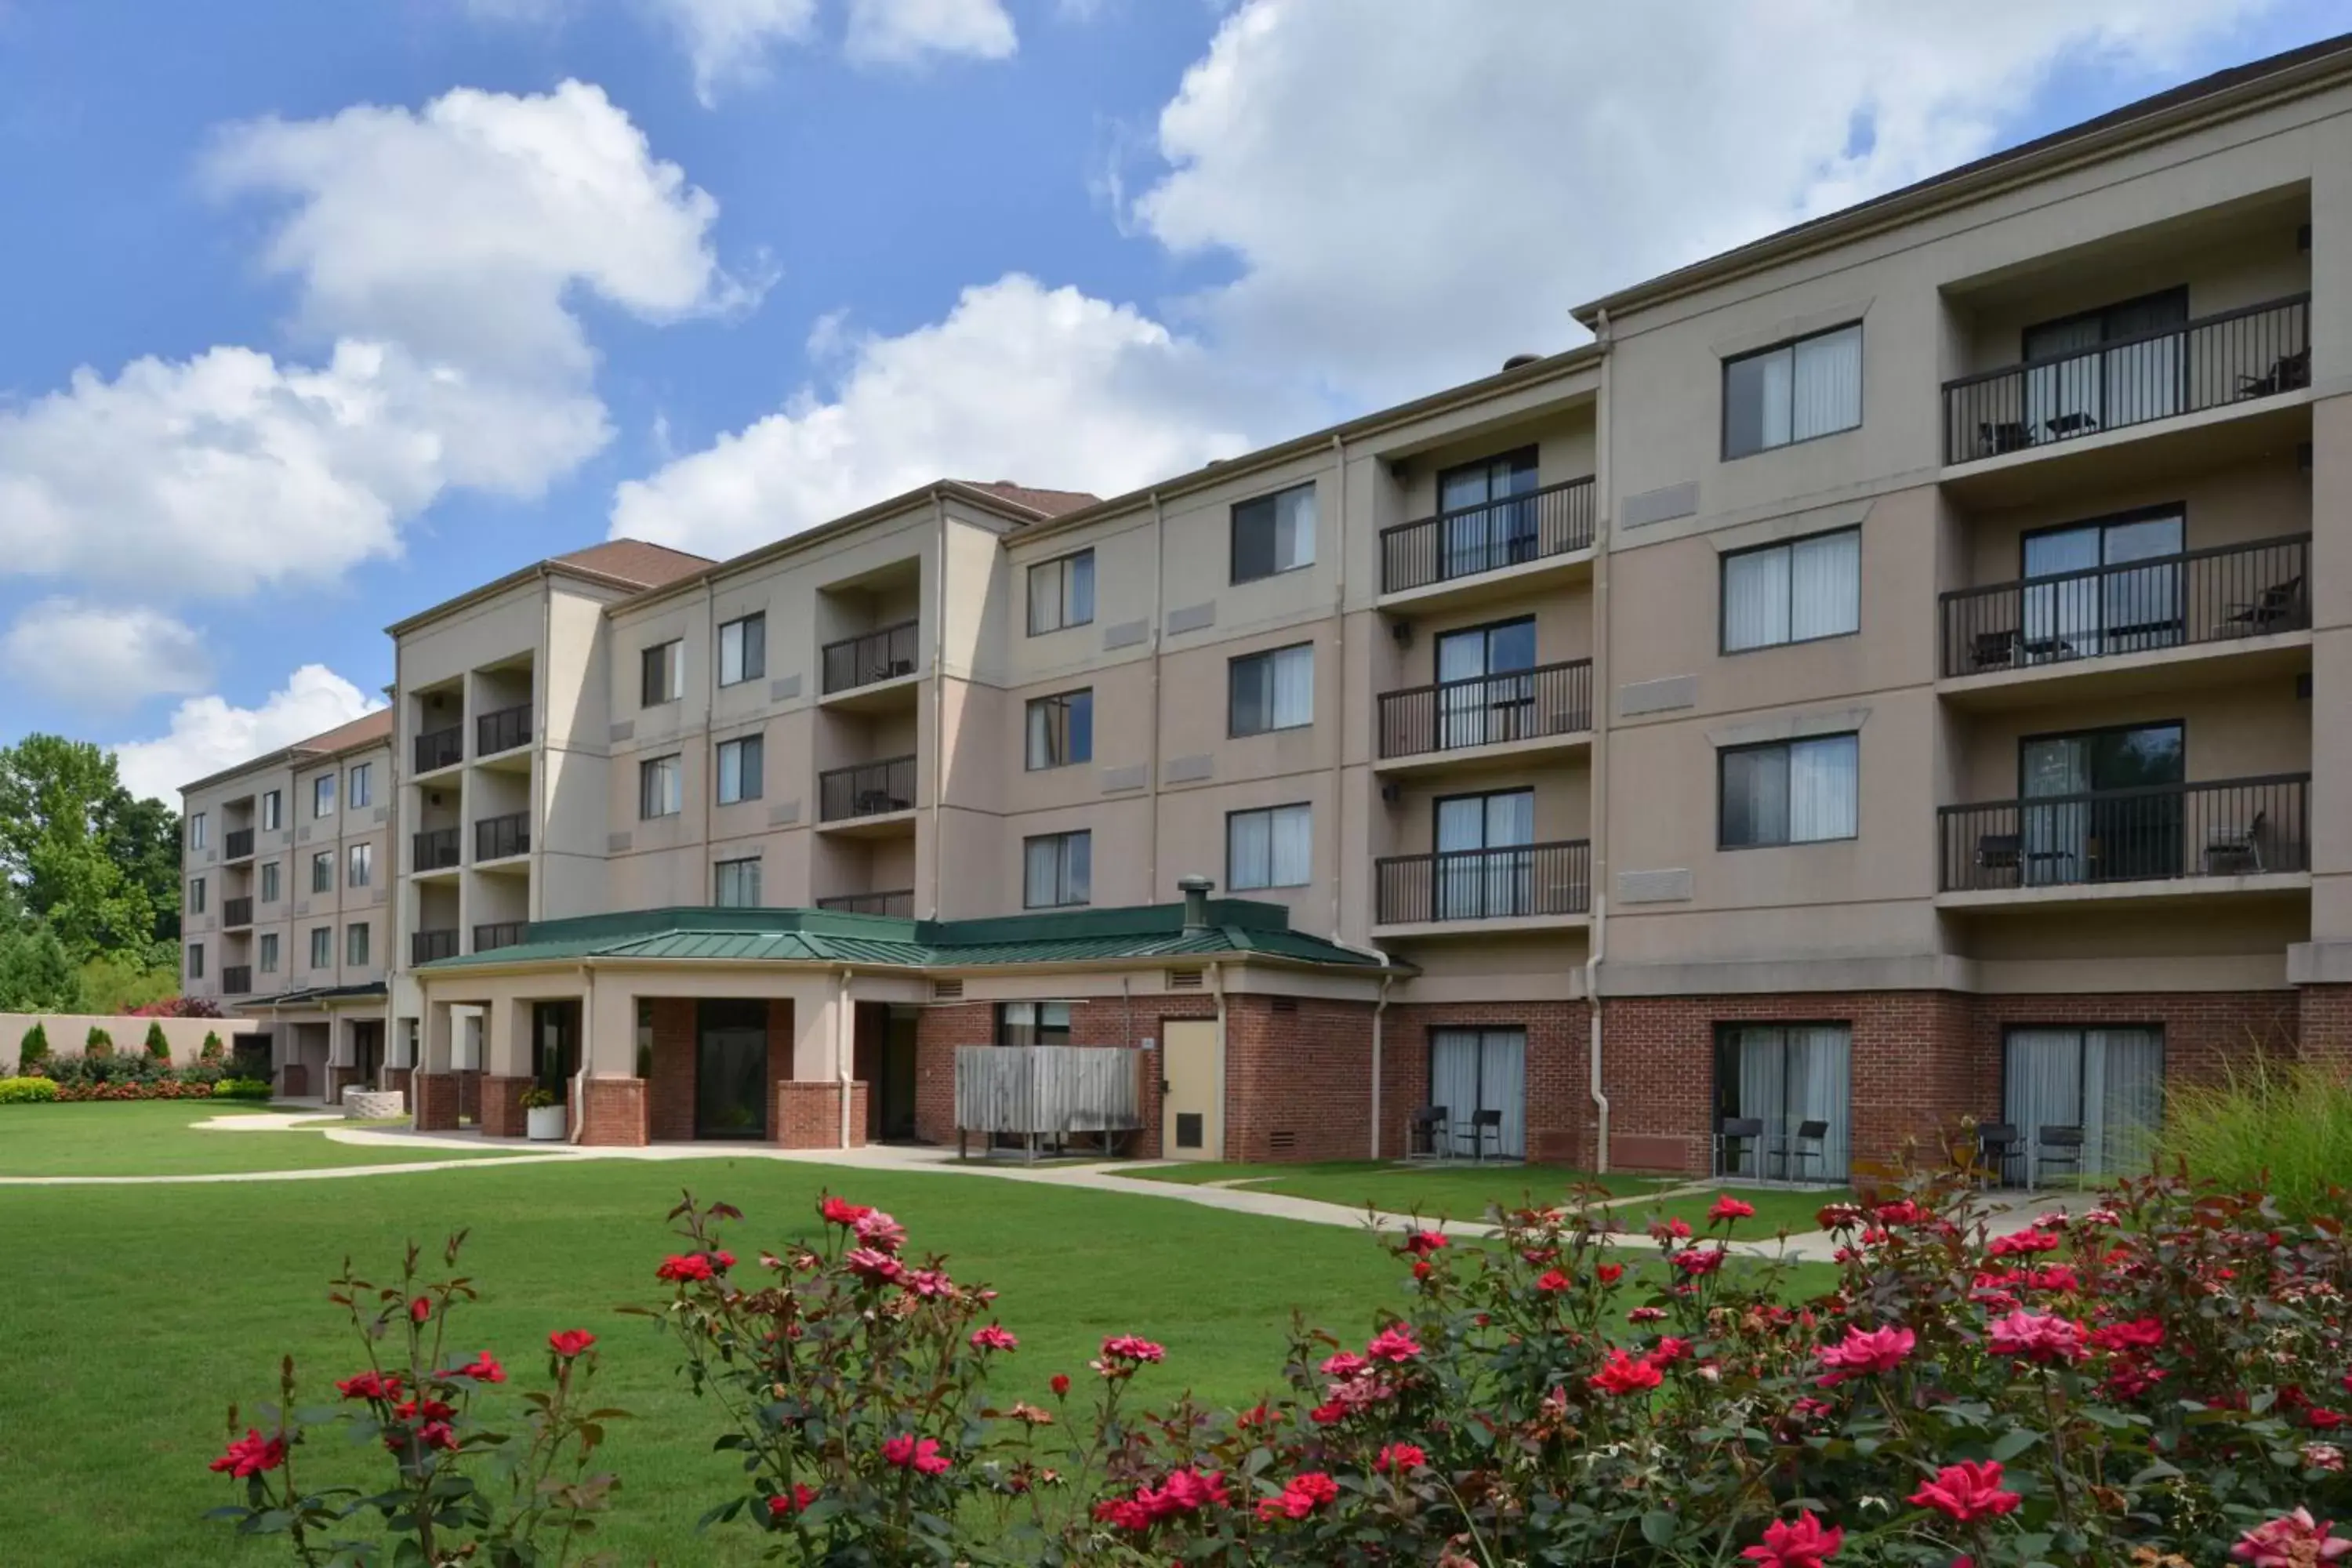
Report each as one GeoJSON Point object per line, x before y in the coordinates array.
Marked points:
{"type": "Point", "coordinates": [1823, 779]}
{"type": "Point", "coordinates": [1826, 394]}
{"type": "Point", "coordinates": [1293, 527]}
{"type": "Point", "coordinates": [1763, 1061]}
{"type": "Point", "coordinates": [1250, 855]}
{"type": "Point", "coordinates": [2123, 1094]}
{"type": "Point", "coordinates": [1454, 1072]}
{"type": "Point", "coordinates": [1755, 599]}
{"type": "Point", "coordinates": [1482, 1070]}
{"type": "Point", "coordinates": [1293, 687]}
{"type": "Point", "coordinates": [2044, 1083]}
{"type": "Point", "coordinates": [1041, 870]}
{"type": "Point", "coordinates": [1292, 847]}
{"type": "Point", "coordinates": [1776, 397]}
{"type": "Point", "coordinates": [1040, 736]}
{"type": "Point", "coordinates": [1825, 585]}
{"type": "Point", "coordinates": [1820, 1089]}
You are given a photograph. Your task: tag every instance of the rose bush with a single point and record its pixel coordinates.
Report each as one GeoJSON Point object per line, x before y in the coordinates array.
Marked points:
{"type": "Point", "coordinates": [2153, 1382]}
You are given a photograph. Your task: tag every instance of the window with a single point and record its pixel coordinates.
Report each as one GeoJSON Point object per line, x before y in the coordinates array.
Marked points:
{"type": "Point", "coordinates": [273, 811]}
{"type": "Point", "coordinates": [196, 960]}
{"type": "Point", "coordinates": [322, 871]}
{"type": "Point", "coordinates": [196, 825]}
{"type": "Point", "coordinates": [1482, 527]}
{"type": "Point", "coordinates": [1056, 868]}
{"type": "Point", "coordinates": [1793, 391]}
{"type": "Point", "coordinates": [1273, 533]}
{"type": "Point", "coordinates": [2093, 598]}
{"type": "Point", "coordinates": [323, 946]}
{"type": "Point", "coordinates": [362, 866]}
{"type": "Point", "coordinates": [1484, 693]}
{"type": "Point", "coordinates": [355, 945]}
{"type": "Point", "coordinates": [1061, 730]}
{"type": "Point", "coordinates": [2107, 1084]}
{"type": "Point", "coordinates": [1797, 1080]}
{"type": "Point", "coordinates": [737, 884]}
{"type": "Point", "coordinates": [270, 881]}
{"type": "Point", "coordinates": [740, 764]}
{"type": "Point", "coordinates": [1474, 1070]}
{"type": "Point", "coordinates": [1485, 864]}
{"type": "Point", "coordinates": [1062, 593]}
{"type": "Point", "coordinates": [1032, 1023]}
{"type": "Point", "coordinates": [743, 650]}
{"type": "Point", "coordinates": [1272, 691]}
{"type": "Point", "coordinates": [2097, 806]}
{"type": "Point", "coordinates": [269, 945]}
{"type": "Point", "coordinates": [2075, 383]}
{"type": "Point", "coordinates": [1796, 792]}
{"type": "Point", "coordinates": [1269, 849]}
{"type": "Point", "coordinates": [195, 895]}
{"type": "Point", "coordinates": [660, 788]}
{"type": "Point", "coordinates": [662, 667]}
{"type": "Point", "coordinates": [363, 787]}
{"type": "Point", "coordinates": [1797, 592]}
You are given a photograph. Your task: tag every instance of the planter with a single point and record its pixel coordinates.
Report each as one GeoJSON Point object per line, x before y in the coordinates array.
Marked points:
{"type": "Point", "coordinates": [544, 1123]}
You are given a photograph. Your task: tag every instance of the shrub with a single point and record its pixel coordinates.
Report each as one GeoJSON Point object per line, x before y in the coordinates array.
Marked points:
{"type": "Point", "coordinates": [33, 1049]}
{"type": "Point", "coordinates": [206, 1073]}
{"type": "Point", "coordinates": [98, 1042]}
{"type": "Point", "coordinates": [2280, 1126]}
{"type": "Point", "coordinates": [212, 1050]}
{"type": "Point", "coordinates": [26, 1090]}
{"type": "Point", "coordinates": [158, 1045]}
{"type": "Point", "coordinates": [538, 1099]}
{"type": "Point", "coordinates": [242, 1088]}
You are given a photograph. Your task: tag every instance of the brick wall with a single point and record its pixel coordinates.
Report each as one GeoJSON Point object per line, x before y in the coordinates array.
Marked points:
{"type": "Point", "coordinates": [436, 1097]}
{"type": "Point", "coordinates": [469, 1093]}
{"type": "Point", "coordinates": [2323, 1025]}
{"type": "Point", "coordinates": [293, 1081]}
{"type": "Point", "coordinates": [779, 1063]}
{"type": "Point", "coordinates": [669, 1099]}
{"type": "Point", "coordinates": [616, 1112]}
{"type": "Point", "coordinates": [397, 1078]}
{"type": "Point", "coordinates": [1298, 1078]}
{"type": "Point", "coordinates": [502, 1113]}
{"type": "Point", "coordinates": [340, 1079]}
{"type": "Point", "coordinates": [808, 1114]}
{"type": "Point", "coordinates": [1560, 1108]}
{"type": "Point", "coordinates": [941, 1027]}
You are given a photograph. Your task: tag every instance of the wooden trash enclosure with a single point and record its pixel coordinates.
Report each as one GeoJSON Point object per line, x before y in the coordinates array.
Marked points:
{"type": "Point", "coordinates": [1045, 1091]}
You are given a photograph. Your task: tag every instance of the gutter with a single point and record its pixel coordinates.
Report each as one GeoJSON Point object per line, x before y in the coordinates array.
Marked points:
{"type": "Point", "coordinates": [939, 720]}
{"type": "Point", "coordinates": [587, 1050]}
{"type": "Point", "coordinates": [844, 1043]}
{"type": "Point", "coordinates": [1340, 715]}
{"type": "Point", "coordinates": [1158, 651]}
{"type": "Point", "coordinates": [1379, 1009]}
{"type": "Point", "coordinates": [1598, 831]}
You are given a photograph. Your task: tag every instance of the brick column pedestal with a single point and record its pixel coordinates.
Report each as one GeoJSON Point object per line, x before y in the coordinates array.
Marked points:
{"type": "Point", "coordinates": [614, 1115]}
{"type": "Point", "coordinates": [337, 1081]}
{"type": "Point", "coordinates": [501, 1100]}
{"type": "Point", "coordinates": [395, 1079]}
{"type": "Point", "coordinates": [434, 1095]}
{"type": "Point", "coordinates": [808, 1114]}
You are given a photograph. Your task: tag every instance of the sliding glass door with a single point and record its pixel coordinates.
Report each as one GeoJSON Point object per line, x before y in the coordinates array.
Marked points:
{"type": "Point", "coordinates": [1479, 700]}
{"type": "Point", "coordinates": [1472, 885]}
{"type": "Point", "coordinates": [731, 1069]}
{"type": "Point", "coordinates": [1484, 528]}
{"type": "Point", "coordinates": [1786, 1075]}
{"type": "Point", "coordinates": [2112, 606]}
{"type": "Point", "coordinates": [2116, 366]}
{"type": "Point", "coordinates": [2108, 1082]}
{"type": "Point", "coordinates": [1483, 1069]}
{"type": "Point", "coordinates": [2134, 833]}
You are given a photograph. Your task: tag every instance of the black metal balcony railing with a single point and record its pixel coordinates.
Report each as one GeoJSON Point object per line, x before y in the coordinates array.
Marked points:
{"type": "Point", "coordinates": [2150, 833]}
{"type": "Point", "coordinates": [502, 730]}
{"type": "Point", "coordinates": [434, 849]}
{"type": "Point", "coordinates": [236, 980]}
{"type": "Point", "coordinates": [238, 844]}
{"type": "Point", "coordinates": [900, 904]}
{"type": "Point", "coordinates": [2258, 350]}
{"type": "Point", "coordinates": [425, 946]}
{"type": "Point", "coordinates": [496, 837]}
{"type": "Point", "coordinates": [1515, 705]}
{"type": "Point", "coordinates": [237, 911]}
{"type": "Point", "coordinates": [498, 934]}
{"type": "Point", "coordinates": [1485, 884]}
{"type": "Point", "coordinates": [440, 748]}
{"type": "Point", "coordinates": [1552, 521]}
{"type": "Point", "coordinates": [2226, 591]}
{"type": "Point", "coordinates": [869, 789]}
{"type": "Point", "coordinates": [873, 656]}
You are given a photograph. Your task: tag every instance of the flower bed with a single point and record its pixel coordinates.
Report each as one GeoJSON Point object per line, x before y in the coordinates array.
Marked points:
{"type": "Point", "coordinates": [2152, 1383]}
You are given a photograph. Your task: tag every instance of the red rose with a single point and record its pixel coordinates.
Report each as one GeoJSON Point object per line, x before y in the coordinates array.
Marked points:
{"type": "Point", "coordinates": [1060, 1383]}
{"type": "Point", "coordinates": [1729, 1208]}
{"type": "Point", "coordinates": [1624, 1373]}
{"type": "Point", "coordinates": [1551, 1282]}
{"type": "Point", "coordinates": [370, 1385]}
{"type": "Point", "coordinates": [692, 1266]}
{"type": "Point", "coordinates": [483, 1368]}
{"type": "Point", "coordinates": [994, 1337]}
{"type": "Point", "coordinates": [921, 1455]}
{"type": "Point", "coordinates": [797, 1500]}
{"type": "Point", "coordinates": [1400, 1456]}
{"type": "Point", "coordinates": [569, 1342]}
{"type": "Point", "coordinates": [419, 1310]}
{"type": "Point", "coordinates": [1610, 1273]}
{"type": "Point", "coordinates": [1803, 1545]}
{"type": "Point", "coordinates": [842, 1212]}
{"type": "Point", "coordinates": [1301, 1495]}
{"type": "Point", "coordinates": [1966, 1492]}
{"type": "Point", "coordinates": [252, 1454]}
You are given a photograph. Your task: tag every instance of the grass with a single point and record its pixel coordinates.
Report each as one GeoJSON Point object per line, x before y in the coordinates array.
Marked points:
{"type": "Point", "coordinates": [158, 1138]}
{"type": "Point", "coordinates": [2281, 1128]}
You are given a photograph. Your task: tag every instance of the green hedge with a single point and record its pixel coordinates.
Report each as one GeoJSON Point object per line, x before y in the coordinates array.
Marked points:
{"type": "Point", "coordinates": [242, 1088]}
{"type": "Point", "coordinates": [26, 1091]}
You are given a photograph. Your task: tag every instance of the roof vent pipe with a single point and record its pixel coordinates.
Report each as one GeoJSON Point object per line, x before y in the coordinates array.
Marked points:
{"type": "Point", "coordinates": [1196, 890]}
{"type": "Point", "coordinates": [1516, 360]}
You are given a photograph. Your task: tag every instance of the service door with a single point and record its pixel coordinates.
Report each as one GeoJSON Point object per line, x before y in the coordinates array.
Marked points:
{"type": "Point", "coordinates": [1192, 1113]}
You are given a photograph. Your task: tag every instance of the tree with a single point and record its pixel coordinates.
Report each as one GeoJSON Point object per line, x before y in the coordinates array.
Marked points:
{"type": "Point", "coordinates": [159, 1044]}
{"type": "Point", "coordinates": [98, 866]}
{"type": "Point", "coordinates": [143, 837]}
{"type": "Point", "coordinates": [36, 974]}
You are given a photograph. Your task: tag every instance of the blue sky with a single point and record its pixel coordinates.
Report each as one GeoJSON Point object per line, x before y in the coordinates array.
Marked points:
{"type": "Point", "coordinates": [769, 259]}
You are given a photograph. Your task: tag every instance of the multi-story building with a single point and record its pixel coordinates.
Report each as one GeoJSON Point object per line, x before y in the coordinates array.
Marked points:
{"type": "Point", "coordinates": [286, 915]}
{"type": "Point", "coordinates": [1868, 685]}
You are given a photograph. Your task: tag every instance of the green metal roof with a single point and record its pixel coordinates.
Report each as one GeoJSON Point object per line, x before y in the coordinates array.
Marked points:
{"type": "Point", "coordinates": [1235, 928]}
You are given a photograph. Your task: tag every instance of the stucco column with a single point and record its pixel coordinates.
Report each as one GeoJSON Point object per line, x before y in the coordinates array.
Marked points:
{"type": "Point", "coordinates": [440, 1046]}
{"type": "Point", "coordinates": [611, 1048]}
{"type": "Point", "coordinates": [508, 1047]}
{"type": "Point", "coordinates": [817, 1009]}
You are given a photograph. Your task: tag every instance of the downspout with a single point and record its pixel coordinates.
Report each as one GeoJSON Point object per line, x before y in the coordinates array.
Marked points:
{"type": "Point", "coordinates": [1340, 708]}
{"type": "Point", "coordinates": [938, 728]}
{"type": "Point", "coordinates": [1379, 1008]}
{"type": "Point", "coordinates": [1152, 752]}
{"type": "Point", "coordinates": [534, 902]}
{"type": "Point", "coordinates": [587, 1051]}
{"type": "Point", "coordinates": [1598, 827]}
{"type": "Point", "coordinates": [1217, 984]}
{"type": "Point", "coordinates": [843, 1044]}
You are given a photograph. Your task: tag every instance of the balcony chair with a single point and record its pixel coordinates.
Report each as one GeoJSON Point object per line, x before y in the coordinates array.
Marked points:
{"type": "Point", "coordinates": [1729, 1134]}
{"type": "Point", "coordinates": [1998, 1145]}
{"type": "Point", "coordinates": [2062, 425]}
{"type": "Point", "coordinates": [1794, 1153]}
{"type": "Point", "coordinates": [1993, 650]}
{"type": "Point", "coordinates": [2054, 1145]}
{"type": "Point", "coordinates": [2288, 373]}
{"type": "Point", "coordinates": [2277, 608]}
{"type": "Point", "coordinates": [1425, 1134]}
{"type": "Point", "coordinates": [1999, 852]}
{"type": "Point", "coordinates": [2240, 844]}
{"type": "Point", "coordinates": [1994, 437]}
{"type": "Point", "coordinates": [1482, 1125]}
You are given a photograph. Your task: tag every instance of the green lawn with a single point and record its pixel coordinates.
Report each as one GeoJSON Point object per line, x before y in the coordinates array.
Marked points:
{"type": "Point", "coordinates": [1451, 1191]}
{"type": "Point", "coordinates": [158, 1138]}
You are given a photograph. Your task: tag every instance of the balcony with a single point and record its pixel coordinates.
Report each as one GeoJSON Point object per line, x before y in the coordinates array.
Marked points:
{"type": "Point", "coordinates": [238, 844]}
{"type": "Point", "coordinates": [434, 849]}
{"type": "Point", "coordinates": [871, 658]}
{"type": "Point", "coordinates": [498, 934]}
{"type": "Point", "coordinates": [425, 946]}
{"type": "Point", "coordinates": [2054, 848]}
{"type": "Point", "coordinates": [236, 912]}
{"type": "Point", "coordinates": [1528, 884]}
{"type": "Point", "coordinates": [884, 789]}
{"type": "Point", "coordinates": [900, 905]}
{"type": "Point", "coordinates": [2219, 600]}
{"type": "Point", "coordinates": [440, 748]}
{"type": "Point", "coordinates": [236, 980]}
{"type": "Point", "coordinates": [496, 837]}
{"type": "Point", "coordinates": [1520, 531]}
{"type": "Point", "coordinates": [2236, 356]}
{"type": "Point", "coordinates": [502, 730]}
{"type": "Point", "coordinates": [1488, 716]}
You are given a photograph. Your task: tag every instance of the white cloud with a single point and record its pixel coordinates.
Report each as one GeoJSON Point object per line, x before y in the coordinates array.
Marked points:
{"type": "Point", "coordinates": [1482, 169]}
{"type": "Point", "coordinates": [728, 41]}
{"type": "Point", "coordinates": [207, 734]}
{"type": "Point", "coordinates": [440, 251]}
{"type": "Point", "coordinates": [905, 32]}
{"type": "Point", "coordinates": [1048, 386]}
{"type": "Point", "coordinates": [72, 652]}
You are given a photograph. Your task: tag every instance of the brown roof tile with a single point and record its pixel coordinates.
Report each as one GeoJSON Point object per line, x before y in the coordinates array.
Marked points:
{"type": "Point", "coordinates": [634, 561]}
{"type": "Point", "coordinates": [366, 729]}
{"type": "Point", "coordinates": [1050, 503]}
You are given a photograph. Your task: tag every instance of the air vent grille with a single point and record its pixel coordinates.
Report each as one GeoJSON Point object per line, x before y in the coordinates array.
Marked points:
{"type": "Point", "coordinates": [1286, 1004]}
{"type": "Point", "coordinates": [1183, 980]}
{"type": "Point", "coordinates": [1282, 1142]}
{"type": "Point", "coordinates": [947, 990]}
